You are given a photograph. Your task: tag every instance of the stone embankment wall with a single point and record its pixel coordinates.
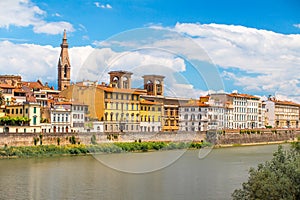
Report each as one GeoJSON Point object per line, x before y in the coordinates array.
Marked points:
{"type": "Point", "coordinates": [263, 136]}
{"type": "Point", "coordinates": [15, 139]}
{"type": "Point", "coordinates": [227, 137]}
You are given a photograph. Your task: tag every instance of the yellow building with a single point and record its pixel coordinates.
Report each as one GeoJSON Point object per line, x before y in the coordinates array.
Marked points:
{"type": "Point", "coordinates": [121, 109]}
{"type": "Point", "coordinates": [150, 116]}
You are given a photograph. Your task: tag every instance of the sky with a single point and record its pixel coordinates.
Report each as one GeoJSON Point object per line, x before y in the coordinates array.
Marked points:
{"type": "Point", "coordinates": [249, 46]}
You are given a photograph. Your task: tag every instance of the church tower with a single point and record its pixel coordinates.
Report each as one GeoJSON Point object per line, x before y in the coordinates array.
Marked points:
{"type": "Point", "coordinates": [154, 84]}
{"type": "Point", "coordinates": [64, 66]}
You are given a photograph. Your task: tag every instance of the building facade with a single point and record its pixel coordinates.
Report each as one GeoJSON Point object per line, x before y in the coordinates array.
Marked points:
{"type": "Point", "coordinates": [193, 116]}
{"type": "Point", "coordinates": [150, 116]}
{"type": "Point", "coordinates": [281, 114]}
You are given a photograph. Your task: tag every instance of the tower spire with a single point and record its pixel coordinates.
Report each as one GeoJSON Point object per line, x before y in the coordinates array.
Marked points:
{"type": "Point", "coordinates": [64, 66]}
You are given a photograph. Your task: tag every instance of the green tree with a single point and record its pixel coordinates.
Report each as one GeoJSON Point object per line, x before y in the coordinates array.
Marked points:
{"type": "Point", "coordinates": [275, 179]}
{"type": "Point", "coordinates": [93, 139]}
{"type": "Point", "coordinates": [2, 99]}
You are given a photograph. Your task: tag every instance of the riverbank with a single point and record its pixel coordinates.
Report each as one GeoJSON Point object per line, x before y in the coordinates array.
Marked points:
{"type": "Point", "coordinates": [254, 144]}
{"type": "Point", "coordinates": [81, 149]}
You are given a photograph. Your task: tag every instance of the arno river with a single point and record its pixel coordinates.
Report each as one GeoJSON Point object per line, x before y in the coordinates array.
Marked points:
{"type": "Point", "coordinates": [128, 175]}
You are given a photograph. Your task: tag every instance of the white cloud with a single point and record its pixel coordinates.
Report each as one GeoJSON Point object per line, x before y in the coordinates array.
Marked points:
{"type": "Point", "coordinates": [272, 57]}
{"type": "Point", "coordinates": [108, 6]}
{"type": "Point", "coordinates": [104, 6]}
{"type": "Point", "coordinates": [34, 62]}
{"type": "Point", "coordinates": [297, 25]}
{"type": "Point", "coordinates": [56, 15]}
{"type": "Point", "coordinates": [24, 13]}
{"type": "Point", "coordinates": [53, 27]}
{"type": "Point", "coordinates": [265, 62]}
{"type": "Point", "coordinates": [19, 13]}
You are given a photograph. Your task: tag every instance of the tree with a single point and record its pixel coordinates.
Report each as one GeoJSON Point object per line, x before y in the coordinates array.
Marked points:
{"type": "Point", "coordinates": [93, 139]}
{"type": "Point", "coordinates": [2, 99]}
{"type": "Point", "coordinates": [275, 179]}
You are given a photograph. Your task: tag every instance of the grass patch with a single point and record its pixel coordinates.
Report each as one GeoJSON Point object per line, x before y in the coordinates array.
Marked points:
{"type": "Point", "coordinates": [80, 149]}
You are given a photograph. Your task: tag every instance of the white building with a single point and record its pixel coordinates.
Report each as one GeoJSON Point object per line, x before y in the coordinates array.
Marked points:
{"type": "Point", "coordinates": [246, 110]}
{"type": "Point", "coordinates": [193, 116]}
{"type": "Point", "coordinates": [94, 126]}
{"type": "Point", "coordinates": [78, 116]}
{"type": "Point", "coordinates": [60, 117]}
{"type": "Point", "coordinates": [68, 117]}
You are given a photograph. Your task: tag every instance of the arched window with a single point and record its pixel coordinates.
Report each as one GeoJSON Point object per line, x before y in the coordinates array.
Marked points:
{"type": "Point", "coordinates": [117, 116]}
{"type": "Point", "coordinates": [115, 81]}
{"type": "Point", "coordinates": [65, 71]}
{"type": "Point", "coordinates": [199, 116]}
{"type": "Point", "coordinates": [193, 117]}
{"type": "Point", "coordinates": [111, 116]}
{"type": "Point", "coordinates": [149, 86]}
{"type": "Point", "coordinates": [125, 82]}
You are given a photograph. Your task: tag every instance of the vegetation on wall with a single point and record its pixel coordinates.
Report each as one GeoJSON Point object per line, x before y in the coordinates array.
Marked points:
{"type": "Point", "coordinates": [14, 121]}
{"type": "Point", "coordinates": [75, 149]}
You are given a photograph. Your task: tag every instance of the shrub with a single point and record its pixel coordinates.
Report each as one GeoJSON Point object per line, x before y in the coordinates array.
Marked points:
{"type": "Point", "coordinates": [72, 140]}
{"type": "Point", "coordinates": [93, 139]}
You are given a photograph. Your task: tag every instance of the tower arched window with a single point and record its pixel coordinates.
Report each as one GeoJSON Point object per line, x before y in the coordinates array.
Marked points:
{"type": "Point", "coordinates": [149, 86]}
{"type": "Point", "coordinates": [115, 81]}
{"type": "Point", "coordinates": [125, 82]}
{"type": "Point", "coordinates": [65, 71]}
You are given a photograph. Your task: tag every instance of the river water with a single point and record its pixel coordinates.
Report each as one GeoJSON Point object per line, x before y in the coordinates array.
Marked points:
{"type": "Point", "coordinates": [171, 175]}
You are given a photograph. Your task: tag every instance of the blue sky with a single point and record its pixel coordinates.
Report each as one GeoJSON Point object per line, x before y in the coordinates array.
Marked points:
{"type": "Point", "coordinates": [254, 44]}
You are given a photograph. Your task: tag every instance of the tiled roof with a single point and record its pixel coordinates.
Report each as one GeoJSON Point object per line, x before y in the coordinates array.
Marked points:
{"type": "Point", "coordinates": [7, 86]}
{"type": "Point", "coordinates": [119, 90]}
{"type": "Point", "coordinates": [195, 104]}
{"type": "Point", "coordinates": [248, 96]}
{"type": "Point", "coordinates": [290, 103]}
{"type": "Point", "coordinates": [68, 103]}
{"type": "Point", "coordinates": [33, 85]}
{"type": "Point", "coordinates": [20, 90]}
{"type": "Point", "coordinates": [146, 102]}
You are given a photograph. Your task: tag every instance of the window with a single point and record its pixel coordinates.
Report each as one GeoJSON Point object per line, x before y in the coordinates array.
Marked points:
{"type": "Point", "coordinates": [34, 110]}
{"type": "Point", "coordinates": [12, 111]}
{"type": "Point", "coordinates": [7, 111]}
{"type": "Point", "coordinates": [67, 117]}
{"type": "Point", "coordinates": [21, 111]}
{"type": "Point", "coordinates": [34, 120]}
{"type": "Point", "coordinates": [17, 111]}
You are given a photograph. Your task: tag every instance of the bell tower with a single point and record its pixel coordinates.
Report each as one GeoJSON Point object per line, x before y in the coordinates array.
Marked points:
{"type": "Point", "coordinates": [64, 66]}
{"type": "Point", "coordinates": [154, 84]}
